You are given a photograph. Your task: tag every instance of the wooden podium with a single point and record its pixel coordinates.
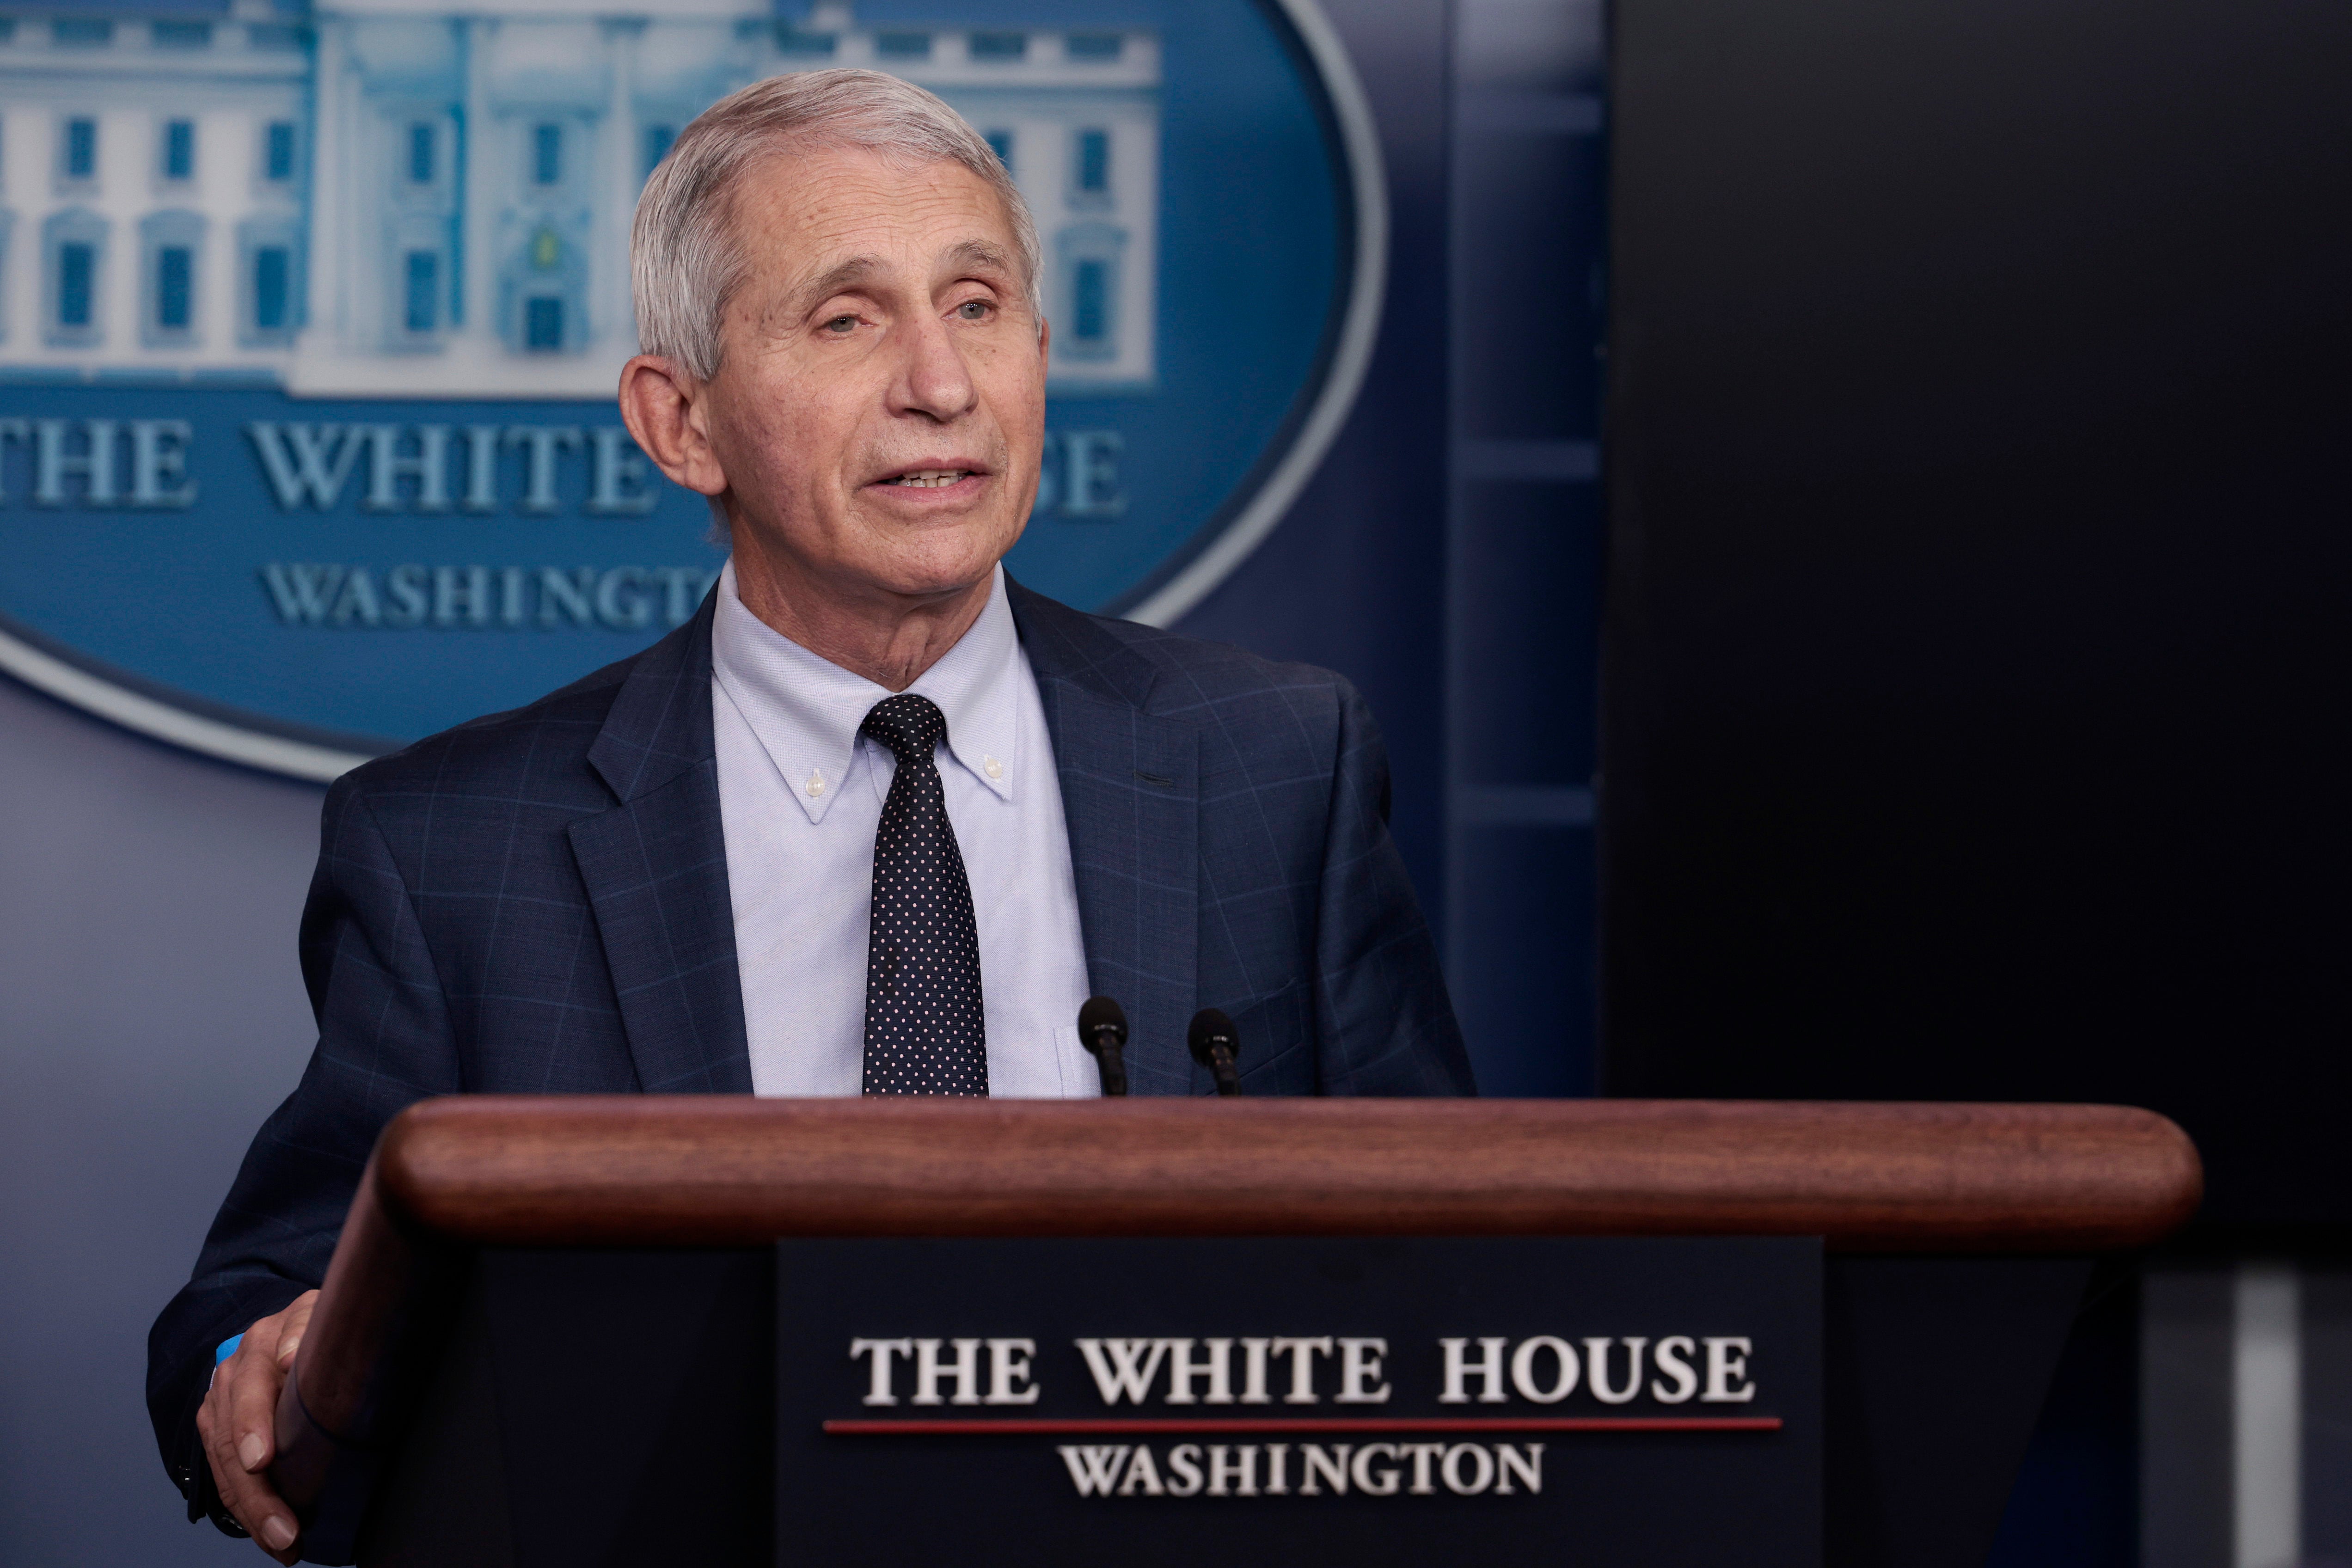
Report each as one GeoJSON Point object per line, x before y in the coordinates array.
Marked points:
{"type": "Point", "coordinates": [548, 1332]}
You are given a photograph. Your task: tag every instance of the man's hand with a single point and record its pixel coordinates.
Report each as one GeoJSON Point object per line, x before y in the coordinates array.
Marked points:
{"type": "Point", "coordinates": [238, 1423]}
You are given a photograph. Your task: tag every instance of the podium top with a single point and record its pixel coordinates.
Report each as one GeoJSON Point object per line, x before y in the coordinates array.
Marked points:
{"type": "Point", "coordinates": [707, 1171]}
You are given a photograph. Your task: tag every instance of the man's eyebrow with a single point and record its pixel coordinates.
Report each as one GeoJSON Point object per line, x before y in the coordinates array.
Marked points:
{"type": "Point", "coordinates": [855, 270]}
{"type": "Point", "coordinates": [979, 253]}
{"type": "Point", "coordinates": [970, 254]}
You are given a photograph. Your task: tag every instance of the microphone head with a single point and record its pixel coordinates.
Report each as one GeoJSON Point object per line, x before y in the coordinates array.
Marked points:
{"type": "Point", "coordinates": [1212, 1027]}
{"type": "Point", "coordinates": [1102, 1016]}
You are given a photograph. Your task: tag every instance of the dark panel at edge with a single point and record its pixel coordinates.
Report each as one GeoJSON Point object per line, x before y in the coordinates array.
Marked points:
{"type": "Point", "coordinates": [1974, 650]}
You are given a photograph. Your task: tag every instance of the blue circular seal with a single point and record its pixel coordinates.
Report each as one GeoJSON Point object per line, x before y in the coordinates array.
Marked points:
{"type": "Point", "coordinates": [308, 344]}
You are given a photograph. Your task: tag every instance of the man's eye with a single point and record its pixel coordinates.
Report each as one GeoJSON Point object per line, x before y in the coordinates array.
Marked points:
{"type": "Point", "coordinates": [974, 309]}
{"type": "Point", "coordinates": [842, 324]}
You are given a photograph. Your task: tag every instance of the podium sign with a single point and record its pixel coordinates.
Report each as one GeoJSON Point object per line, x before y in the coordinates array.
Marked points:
{"type": "Point", "coordinates": [1272, 1402]}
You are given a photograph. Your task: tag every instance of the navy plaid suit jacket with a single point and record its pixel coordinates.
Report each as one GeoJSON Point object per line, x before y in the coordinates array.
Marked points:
{"type": "Point", "coordinates": [536, 903]}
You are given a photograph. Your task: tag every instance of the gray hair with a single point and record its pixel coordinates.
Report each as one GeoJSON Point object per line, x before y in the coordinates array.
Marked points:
{"type": "Point", "coordinates": [684, 261]}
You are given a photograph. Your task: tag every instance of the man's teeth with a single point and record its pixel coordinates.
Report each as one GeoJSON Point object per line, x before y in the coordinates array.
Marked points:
{"type": "Point", "coordinates": [930, 477]}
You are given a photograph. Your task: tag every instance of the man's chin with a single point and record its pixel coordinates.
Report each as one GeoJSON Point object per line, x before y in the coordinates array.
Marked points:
{"type": "Point", "coordinates": [880, 556]}
{"type": "Point", "coordinates": [939, 576]}
{"type": "Point", "coordinates": [939, 563]}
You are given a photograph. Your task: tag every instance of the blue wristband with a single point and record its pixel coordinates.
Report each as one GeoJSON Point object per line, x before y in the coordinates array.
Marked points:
{"type": "Point", "coordinates": [227, 1348]}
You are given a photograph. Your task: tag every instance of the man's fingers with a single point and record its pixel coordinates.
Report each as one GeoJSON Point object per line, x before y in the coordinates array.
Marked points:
{"type": "Point", "coordinates": [260, 1510]}
{"type": "Point", "coordinates": [249, 1497]}
{"type": "Point", "coordinates": [253, 1379]}
{"type": "Point", "coordinates": [292, 1322]}
{"type": "Point", "coordinates": [238, 1425]}
{"type": "Point", "coordinates": [220, 1447]}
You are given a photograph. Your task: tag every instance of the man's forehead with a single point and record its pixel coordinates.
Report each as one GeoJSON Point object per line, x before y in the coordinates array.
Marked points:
{"type": "Point", "coordinates": [841, 215]}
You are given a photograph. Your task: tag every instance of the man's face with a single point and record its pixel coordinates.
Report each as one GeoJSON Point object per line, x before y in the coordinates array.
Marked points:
{"type": "Point", "coordinates": [880, 403]}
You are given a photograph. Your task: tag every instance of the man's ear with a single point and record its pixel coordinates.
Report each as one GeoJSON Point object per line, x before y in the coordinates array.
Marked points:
{"type": "Point", "coordinates": [660, 405]}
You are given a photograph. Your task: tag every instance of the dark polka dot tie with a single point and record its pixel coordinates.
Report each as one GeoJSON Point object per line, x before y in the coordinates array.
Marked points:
{"type": "Point", "coordinates": [924, 1030]}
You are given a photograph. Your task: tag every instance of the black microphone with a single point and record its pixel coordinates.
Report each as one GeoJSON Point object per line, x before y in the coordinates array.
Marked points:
{"type": "Point", "coordinates": [1215, 1045]}
{"type": "Point", "coordinates": [1103, 1027]}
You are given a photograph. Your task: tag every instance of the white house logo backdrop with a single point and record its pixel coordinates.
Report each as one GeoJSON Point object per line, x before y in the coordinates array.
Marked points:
{"type": "Point", "coordinates": [310, 318]}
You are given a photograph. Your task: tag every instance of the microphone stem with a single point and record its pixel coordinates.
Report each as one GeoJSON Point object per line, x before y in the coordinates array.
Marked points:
{"type": "Point", "coordinates": [1220, 1063]}
{"type": "Point", "coordinates": [1113, 1063]}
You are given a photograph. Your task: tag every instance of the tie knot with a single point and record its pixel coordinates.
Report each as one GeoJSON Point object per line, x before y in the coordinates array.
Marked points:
{"type": "Point", "coordinates": [909, 725]}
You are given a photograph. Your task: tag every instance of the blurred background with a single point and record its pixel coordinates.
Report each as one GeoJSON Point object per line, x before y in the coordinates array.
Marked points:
{"type": "Point", "coordinates": [1839, 508]}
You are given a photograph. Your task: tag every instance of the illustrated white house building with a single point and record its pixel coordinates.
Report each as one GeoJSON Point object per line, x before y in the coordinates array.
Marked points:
{"type": "Point", "coordinates": [395, 199]}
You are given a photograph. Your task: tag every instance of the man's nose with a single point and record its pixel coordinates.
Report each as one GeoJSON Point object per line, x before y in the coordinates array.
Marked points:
{"type": "Point", "coordinates": [933, 378]}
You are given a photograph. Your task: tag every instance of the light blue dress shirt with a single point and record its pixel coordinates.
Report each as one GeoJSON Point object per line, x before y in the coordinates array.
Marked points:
{"type": "Point", "coordinates": [800, 795]}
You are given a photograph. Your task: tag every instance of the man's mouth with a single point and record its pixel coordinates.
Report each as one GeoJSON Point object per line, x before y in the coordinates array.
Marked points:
{"type": "Point", "coordinates": [929, 478]}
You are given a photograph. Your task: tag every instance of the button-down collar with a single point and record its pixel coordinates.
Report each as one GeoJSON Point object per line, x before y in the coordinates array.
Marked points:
{"type": "Point", "coordinates": [806, 710]}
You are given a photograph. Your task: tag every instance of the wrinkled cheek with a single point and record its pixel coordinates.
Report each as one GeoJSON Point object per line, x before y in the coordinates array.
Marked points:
{"type": "Point", "coordinates": [760, 463]}
{"type": "Point", "coordinates": [1026, 456]}
{"type": "Point", "coordinates": [1025, 501]}
{"type": "Point", "coordinates": [783, 501]}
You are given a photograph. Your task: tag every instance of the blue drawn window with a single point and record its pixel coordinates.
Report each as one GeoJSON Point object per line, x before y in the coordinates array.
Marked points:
{"type": "Point", "coordinates": [169, 246]}
{"type": "Point", "coordinates": [74, 244]}
{"type": "Point", "coordinates": [81, 149]}
{"type": "Point", "coordinates": [181, 35]}
{"type": "Point", "coordinates": [999, 45]}
{"type": "Point", "coordinates": [81, 32]}
{"type": "Point", "coordinates": [175, 267]}
{"type": "Point", "coordinates": [272, 279]}
{"type": "Point", "coordinates": [1094, 46]}
{"type": "Point", "coordinates": [1090, 300]}
{"type": "Point", "coordinates": [1089, 325]}
{"type": "Point", "coordinates": [547, 154]}
{"type": "Point", "coordinates": [1000, 143]}
{"type": "Point", "coordinates": [420, 153]}
{"type": "Point", "coordinates": [657, 140]}
{"type": "Point", "coordinates": [423, 278]}
{"type": "Point", "coordinates": [543, 325]}
{"type": "Point", "coordinates": [179, 148]}
{"type": "Point", "coordinates": [903, 46]}
{"type": "Point", "coordinates": [278, 149]}
{"type": "Point", "coordinates": [1094, 162]}
{"type": "Point", "coordinates": [269, 279]}
{"type": "Point", "coordinates": [77, 282]}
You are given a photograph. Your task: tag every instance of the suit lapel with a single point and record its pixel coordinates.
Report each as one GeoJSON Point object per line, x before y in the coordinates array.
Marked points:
{"type": "Point", "coordinates": [655, 869]}
{"type": "Point", "coordinates": [1130, 793]}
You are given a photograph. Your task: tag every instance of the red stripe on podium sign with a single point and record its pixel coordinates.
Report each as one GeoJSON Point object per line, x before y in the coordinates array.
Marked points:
{"type": "Point", "coordinates": [1271, 1425]}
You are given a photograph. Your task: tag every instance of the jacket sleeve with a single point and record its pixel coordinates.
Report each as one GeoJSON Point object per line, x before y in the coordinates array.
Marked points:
{"type": "Point", "coordinates": [385, 1041]}
{"type": "Point", "coordinates": [1384, 1022]}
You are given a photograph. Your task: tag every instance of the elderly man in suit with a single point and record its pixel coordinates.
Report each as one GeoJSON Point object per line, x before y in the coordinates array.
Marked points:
{"type": "Point", "coordinates": [877, 820]}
